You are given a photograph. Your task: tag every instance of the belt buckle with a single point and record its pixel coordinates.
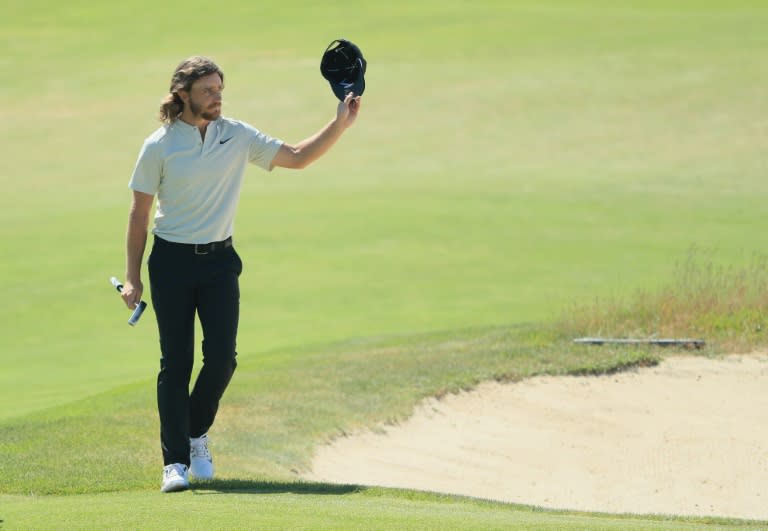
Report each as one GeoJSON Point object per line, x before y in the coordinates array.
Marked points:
{"type": "Point", "coordinates": [197, 252]}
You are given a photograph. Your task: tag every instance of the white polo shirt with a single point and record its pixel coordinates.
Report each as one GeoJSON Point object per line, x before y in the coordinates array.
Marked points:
{"type": "Point", "coordinates": [198, 182]}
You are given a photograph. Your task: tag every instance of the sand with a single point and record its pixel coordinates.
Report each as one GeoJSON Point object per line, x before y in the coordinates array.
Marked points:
{"type": "Point", "coordinates": [687, 437]}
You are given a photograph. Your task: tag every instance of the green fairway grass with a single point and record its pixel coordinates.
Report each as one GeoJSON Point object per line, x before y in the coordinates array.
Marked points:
{"type": "Point", "coordinates": [289, 506]}
{"type": "Point", "coordinates": [512, 159]}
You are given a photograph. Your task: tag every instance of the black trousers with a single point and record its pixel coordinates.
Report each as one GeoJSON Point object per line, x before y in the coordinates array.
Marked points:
{"type": "Point", "coordinates": [184, 280]}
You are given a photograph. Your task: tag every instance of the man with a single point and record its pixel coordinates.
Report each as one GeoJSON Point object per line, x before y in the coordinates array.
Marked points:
{"type": "Point", "coordinates": [195, 164]}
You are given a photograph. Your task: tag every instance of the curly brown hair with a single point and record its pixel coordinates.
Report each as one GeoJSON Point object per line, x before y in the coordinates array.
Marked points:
{"type": "Point", "coordinates": [188, 71]}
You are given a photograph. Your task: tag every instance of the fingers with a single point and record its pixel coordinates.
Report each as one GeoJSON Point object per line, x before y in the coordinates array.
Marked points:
{"type": "Point", "coordinates": [127, 299]}
{"type": "Point", "coordinates": [354, 103]}
{"type": "Point", "coordinates": [131, 294]}
{"type": "Point", "coordinates": [349, 108]}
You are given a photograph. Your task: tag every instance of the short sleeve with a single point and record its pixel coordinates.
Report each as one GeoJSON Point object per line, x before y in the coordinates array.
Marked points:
{"type": "Point", "coordinates": [147, 173]}
{"type": "Point", "coordinates": [262, 148]}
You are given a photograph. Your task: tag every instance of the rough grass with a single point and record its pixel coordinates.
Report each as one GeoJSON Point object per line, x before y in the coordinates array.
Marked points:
{"type": "Point", "coordinates": [727, 306]}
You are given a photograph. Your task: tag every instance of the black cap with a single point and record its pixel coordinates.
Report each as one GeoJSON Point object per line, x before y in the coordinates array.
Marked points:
{"type": "Point", "coordinates": [343, 65]}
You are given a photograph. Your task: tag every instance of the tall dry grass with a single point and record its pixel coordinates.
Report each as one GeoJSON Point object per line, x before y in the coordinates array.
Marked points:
{"type": "Point", "coordinates": [726, 306]}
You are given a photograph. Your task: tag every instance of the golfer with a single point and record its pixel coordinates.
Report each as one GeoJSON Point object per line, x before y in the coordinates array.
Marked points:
{"type": "Point", "coordinates": [194, 163]}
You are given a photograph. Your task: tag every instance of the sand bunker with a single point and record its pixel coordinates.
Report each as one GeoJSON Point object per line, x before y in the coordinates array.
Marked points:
{"type": "Point", "coordinates": [688, 437]}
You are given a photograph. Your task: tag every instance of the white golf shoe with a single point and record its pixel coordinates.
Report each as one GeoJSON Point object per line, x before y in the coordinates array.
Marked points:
{"type": "Point", "coordinates": [201, 466]}
{"type": "Point", "coordinates": [175, 478]}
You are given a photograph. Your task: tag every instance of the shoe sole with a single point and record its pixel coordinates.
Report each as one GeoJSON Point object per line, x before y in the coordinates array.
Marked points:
{"type": "Point", "coordinates": [174, 487]}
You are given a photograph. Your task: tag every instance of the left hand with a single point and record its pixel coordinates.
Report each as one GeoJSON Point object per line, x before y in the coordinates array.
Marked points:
{"type": "Point", "coordinates": [346, 113]}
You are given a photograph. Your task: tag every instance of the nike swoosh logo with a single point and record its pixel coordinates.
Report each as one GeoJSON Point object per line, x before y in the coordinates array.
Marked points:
{"type": "Point", "coordinates": [225, 141]}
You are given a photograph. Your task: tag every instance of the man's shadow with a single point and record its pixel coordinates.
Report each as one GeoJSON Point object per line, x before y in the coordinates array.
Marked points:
{"type": "Point", "coordinates": [247, 486]}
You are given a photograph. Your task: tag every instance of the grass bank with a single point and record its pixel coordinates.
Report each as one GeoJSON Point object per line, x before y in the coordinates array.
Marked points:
{"type": "Point", "coordinates": [281, 404]}
{"type": "Point", "coordinates": [96, 460]}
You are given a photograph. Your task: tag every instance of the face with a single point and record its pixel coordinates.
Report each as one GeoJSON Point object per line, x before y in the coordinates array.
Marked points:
{"type": "Point", "coordinates": [204, 98]}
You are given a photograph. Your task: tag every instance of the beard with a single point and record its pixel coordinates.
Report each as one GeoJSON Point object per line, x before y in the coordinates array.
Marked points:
{"type": "Point", "coordinates": [209, 114]}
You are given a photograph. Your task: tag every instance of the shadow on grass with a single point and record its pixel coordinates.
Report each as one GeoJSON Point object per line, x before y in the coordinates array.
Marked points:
{"type": "Point", "coordinates": [244, 486]}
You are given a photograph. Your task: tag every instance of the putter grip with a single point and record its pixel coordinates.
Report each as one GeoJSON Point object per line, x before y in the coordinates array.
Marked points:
{"type": "Point", "coordinates": [116, 283]}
